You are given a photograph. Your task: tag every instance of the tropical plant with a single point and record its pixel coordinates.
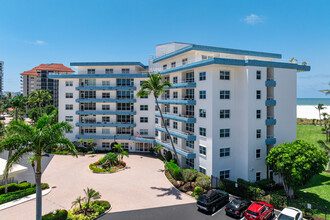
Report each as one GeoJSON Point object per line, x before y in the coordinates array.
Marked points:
{"type": "Point", "coordinates": [326, 91]}
{"type": "Point", "coordinates": [18, 103]}
{"type": "Point", "coordinates": [320, 107]}
{"type": "Point", "coordinates": [37, 139]}
{"type": "Point", "coordinates": [40, 97]}
{"type": "Point", "coordinates": [326, 121]}
{"type": "Point", "coordinates": [154, 85]}
{"type": "Point", "coordinates": [304, 63]}
{"type": "Point", "coordinates": [91, 195]}
{"type": "Point", "coordinates": [79, 200]}
{"type": "Point", "coordinates": [121, 152]}
{"type": "Point", "coordinates": [293, 60]}
{"type": "Point", "coordinates": [326, 147]}
{"type": "Point", "coordinates": [296, 163]}
{"type": "Point", "coordinates": [189, 175]}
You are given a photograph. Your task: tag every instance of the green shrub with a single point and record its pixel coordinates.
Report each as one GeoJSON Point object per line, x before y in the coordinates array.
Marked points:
{"type": "Point", "coordinates": [198, 191]}
{"type": "Point", "coordinates": [12, 187]}
{"type": "Point", "coordinates": [189, 175]}
{"type": "Point", "coordinates": [203, 181]}
{"type": "Point", "coordinates": [277, 201]}
{"type": "Point", "coordinates": [168, 156]}
{"type": "Point", "coordinates": [4, 198]}
{"type": "Point", "coordinates": [105, 204]}
{"type": "Point", "coordinates": [98, 206]}
{"type": "Point", "coordinates": [174, 170]}
{"type": "Point", "coordinates": [266, 184]}
{"type": "Point", "coordinates": [43, 186]}
{"type": "Point", "coordinates": [160, 157]}
{"type": "Point", "coordinates": [112, 158]}
{"type": "Point", "coordinates": [244, 182]}
{"type": "Point", "coordinates": [61, 214]}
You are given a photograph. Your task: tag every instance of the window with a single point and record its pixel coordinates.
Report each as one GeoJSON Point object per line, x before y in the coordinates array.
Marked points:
{"type": "Point", "coordinates": [124, 71]}
{"type": "Point", "coordinates": [202, 113]}
{"type": "Point", "coordinates": [165, 67]}
{"type": "Point", "coordinates": [89, 130]}
{"type": "Point", "coordinates": [190, 127]}
{"type": "Point", "coordinates": [224, 113]}
{"type": "Point", "coordinates": [258, 94]}
{"type": "Point", "coordinates": [175, 80]}
{"type": "Point", "coordinates": [144, 97]}
{"type": "Point", "coordinates": [202, 94]}
{"type": "Point", "coordinates": [175, 95]}
{"type": "Point", "coordinates": [225, 152]}
{"type": "Point", "coordinates": [108, 71]}
{"type": "Point", "coordinates": [175, 110]}
{"type": "Point", "coordinates": [202, 76]}
{"type": "Point", "coordinates": [144, 132]}
{"type": "Point", "coordinates": [258, 153]}
{"type": "Point", "coordinates": [258, 74]}
{"type": "Point", "coordinates": [175, 140]}
{"type": "Point", "coordinates": [202, 150]}
{"type": "Point", "coordinates": [156, 133]}
{"type": "Point", "coordinates": [105, 119]}
{"type": "Point", "coordinates": [258, 114]}
{"type": "Point", "coordinates": [125, 106]}
{"type": "Point", "coordinates": [143, 107]}
{"type": "Point", "coordinates": [141, 82]}
{"type": "Point", "coordinates": [224, 94]}
{"type": "Point", "coordinates": [68, 107]}
{"type": "Point", "coordinates": [258, 176]}
{"type": "Point", "coordinates": [173, 64]}
{"type": "Point", "coordinates": [190, 144]}
{"type": "Point", "coordinates": [68, 83]}
{"type": "Point", "coordinates": [224, 132]}
{"type": "Point", "coordinates": [90, 71]}
{"type": "Point", "coordinates": [156, 120]}
{"type": "Point", "coordinates": [105, 83]}
{"type": "Point", "coordinates": [202, 131]}
{"type": "Point", "coordinates": [125, 82]}
{"type": "Point", "coordinates": [69, 95]}
{"type": "Point", "coordinates": [144, 119]}
{"type": "Point", "coordinates": [69, 118]}
{"type": "Point", "coordinates": [105, 107]}
{"type": "Point", "coordinates": [105, 131]}
{"type": "Point", "coordinates": [105, 95]}
{"type": "Point", "coordinates": [190, 163]}
{"type": "Point", "coordinates": [258, 133]}
{"type": "Point", "coordinates": [202, 170]}
{"type": "Point", "coordinates": [175, 125]}
{"type": "Point", "coordinates": [87, 94]}
{"type": "Point", "coordinates": [124, 94]}
{"type": "Point", "coordinates": [224, 75]}
{"type": "Point", "coordinates": [184, 61]}
{"type": "Point", "coordinates": [190, 77]}
{"type": "Point", "coordinates": [105, 144]}
{"type": "Point", "coordinates": [224, 174]}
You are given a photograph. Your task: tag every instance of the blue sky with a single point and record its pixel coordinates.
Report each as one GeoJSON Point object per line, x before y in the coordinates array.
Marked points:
{"type": "Point", "coordinates": [64, 31]}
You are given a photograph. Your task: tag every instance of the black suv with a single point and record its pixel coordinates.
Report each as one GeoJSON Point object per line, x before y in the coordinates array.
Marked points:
{"type": "Point", "coordinates": [237, 207]}
{"type": "Point", "coordinates": [212, 200]}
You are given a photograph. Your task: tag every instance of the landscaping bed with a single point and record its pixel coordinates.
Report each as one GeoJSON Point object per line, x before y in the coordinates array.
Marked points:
{"type": "Point", "coordinates": [96, 209]}
{"type": "Point", "coordinates": [108, 164]}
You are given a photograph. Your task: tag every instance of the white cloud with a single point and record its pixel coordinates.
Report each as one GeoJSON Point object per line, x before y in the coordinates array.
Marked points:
{"type": "Point", "coordinates": [37, 42]}
{"type": "Point", "coordinates": [253, 19]}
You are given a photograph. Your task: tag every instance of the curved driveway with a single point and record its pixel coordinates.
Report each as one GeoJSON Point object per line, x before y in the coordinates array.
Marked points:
{"type": "Point", "coordinates": [142, 185]}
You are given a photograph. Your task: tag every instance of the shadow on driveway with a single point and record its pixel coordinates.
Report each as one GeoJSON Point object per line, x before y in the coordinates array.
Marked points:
{"type": "Point", "coordinates": [168, 192]}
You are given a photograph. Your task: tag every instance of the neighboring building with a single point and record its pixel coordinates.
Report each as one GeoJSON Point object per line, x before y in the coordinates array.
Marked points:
{"type": "Point", "coordinates": [1, 78]}
{"type": "Point", "coordinates": [37, 79]}
{"type": "Point", "coordinates": [14, 171]}
{"type": "Point", "coordinates": [225, 110]}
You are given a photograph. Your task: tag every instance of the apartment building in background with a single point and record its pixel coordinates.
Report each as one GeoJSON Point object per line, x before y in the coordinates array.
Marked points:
{"type": "Point", "coordinates": [1, 78]}
{"type": "Point", "coordinates": [37, 79]}
{"type": "Point", "coordinates": [225, 110]}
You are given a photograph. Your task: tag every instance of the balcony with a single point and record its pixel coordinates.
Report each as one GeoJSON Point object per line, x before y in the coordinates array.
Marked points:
{"type": "Point", "coordinates": [105, 88]}
{"type": "Point", "coordinates": [270, 140]}
{"type": "Point", "coordinates": [270, 120]}
{"type": "Point", "coordinates": [184, 101]}
{"type": "Point", "coordinates": [188, 136]}
{"type": "Point", "coordinates": [105, 100]}
{"type": "Point", "coordinates": [178, 117]}
{"type": "Point", "coordinates": [95, 112]}
{"type": "Point", "coordinates": [270, 82]}
{"type": "Point", "coordinates": [107, 124]}
{"type": "Point", "coordinates": [183, 152]}
{"type": "Point", "coordinates": [270, 101]}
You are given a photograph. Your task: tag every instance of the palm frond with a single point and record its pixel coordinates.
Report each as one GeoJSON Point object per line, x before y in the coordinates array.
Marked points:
{"type": "Point", "coordinates": [15, 158]}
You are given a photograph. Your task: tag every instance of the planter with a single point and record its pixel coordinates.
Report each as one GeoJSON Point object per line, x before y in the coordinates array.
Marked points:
{"type": "Point", "coordinates": [95, 169]}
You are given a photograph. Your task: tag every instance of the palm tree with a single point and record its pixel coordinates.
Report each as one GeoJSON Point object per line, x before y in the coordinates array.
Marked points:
{"type": "Point", "coordinates": [155, 86]}
{"type": "Point", "coordinates": [320, 107]}
{"type": "Point", "coordinates": [18, 103]}
{"type": "Point", "coordinates": [293, 60]}
{"type": "Point", "coordinates": [40, 97]}
{"type": "Point", "coordinates": [326, 147]}
{"type": "Point", "coordinates": [78, 201]}
{"type": "Point", "coordinates": [37, 139]}
{"type": "Point", "coordinates": [158, 149]}
{"type": "Point", "coordinates": [91, 194]}
{"type": "Point", "coordinates": [326, 91]}
{"type": "Point", "coordinates": [121, 151]}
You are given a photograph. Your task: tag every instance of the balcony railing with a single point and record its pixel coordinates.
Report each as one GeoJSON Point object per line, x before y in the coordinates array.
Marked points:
{"type": "Point", "coordinates": [270, 116]}
{"type": "Point", "coordinates": [180, 115]}
{"type": "Point", "coordinates": [270, 136]}
{"type": "Point", "coordinates": [188, 133]}
{"type": "Point", "coordinates": [270, 98]}
{"type": "Point", "coordinates": [168, 142]}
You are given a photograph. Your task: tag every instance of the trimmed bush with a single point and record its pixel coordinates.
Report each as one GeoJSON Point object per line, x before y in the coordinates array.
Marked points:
{"type": "Point", "coordinates": [189, 175]}
{"type": "Point", "coordinates": [266, 184]}
{"type": "Point", "coordinates": [168, 156]}
{"type": "Point", "coordinates": [12, 187]}
{"type": "Point", "coordinates": [277, 201]}
{"type": "Point", "coordinates": [174, 170]}
{"type": "Point", "coordinates": [4, 198]}
{"type": "Point", "coordinates": [243, 189]}
{"type": "Point", "coordinates": [61, 214]}
{"type": "Point", "coordinates": [198, 191]}
{"type": "Point", "coordinates": [203, 181]}
{"type": "Point", "coordinates": [98, 206]}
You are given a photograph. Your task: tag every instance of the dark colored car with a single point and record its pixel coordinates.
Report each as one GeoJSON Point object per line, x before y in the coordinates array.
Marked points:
{"type": "Point", "coordinates": [237, 207]}
{"type": "Point", "coordinates": [212, 199]}
{"type": "Point", "coordinates": [259, 211]}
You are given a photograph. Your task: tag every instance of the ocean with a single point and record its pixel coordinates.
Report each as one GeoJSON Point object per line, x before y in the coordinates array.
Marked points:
{"type": "Point", "coordinates": [313, 101]}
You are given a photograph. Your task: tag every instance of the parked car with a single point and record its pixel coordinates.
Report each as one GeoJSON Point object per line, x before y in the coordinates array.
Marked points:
{"type": "Point", "coordinates": [237, 207]}
{"type": "Point", "coordinates": [212, 199]}
{"type": "Point", "coordinates": [259, 211]}
{"type": "Point", "coordinates": [290, 213]}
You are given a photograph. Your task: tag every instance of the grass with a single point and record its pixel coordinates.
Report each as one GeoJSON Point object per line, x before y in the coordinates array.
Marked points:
{"type": "Point", "coordinates": [310, 133]}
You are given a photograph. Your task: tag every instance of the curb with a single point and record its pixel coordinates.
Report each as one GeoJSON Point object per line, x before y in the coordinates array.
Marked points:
{"type": "Point", "coordinates": [106, 212]}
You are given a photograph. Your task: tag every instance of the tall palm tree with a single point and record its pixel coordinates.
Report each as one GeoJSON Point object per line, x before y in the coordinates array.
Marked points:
{"type": "Point", "coordinates": [78, 201]}
{"type": "Point", "coordinates": [326, 147]}
{"type": "Point", "coordinates": [155, 86]}
{"type": "Point", "coordinates": [18, 103]}
{"type": "Point", "coordinates": [121, 151]}
{"type": "Point", "coordinates": [320, 107]}
{"type": "Point", "coordinates": [37, 139]}
{"type": "Point", "coordinates": [91, 194]}
{"type": "Point", "coordinates": [40, 97]}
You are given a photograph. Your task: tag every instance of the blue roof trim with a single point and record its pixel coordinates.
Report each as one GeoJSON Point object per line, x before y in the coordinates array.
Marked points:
{"type": "Point", "coordinates": [236, 62]}
{"type": "Point", "coordinates": [177, 102]}
{"type": "Point", "coordinates": [95, 88]}
{"type": "Point", "coordinates": [102, 76]}
{"type": "Point", "coordinates": [109, 125]}
{"type": "Point", "coordinates": [218, 50]}
{"type": "Point", "coordinates": [108, 64]}
{"type": "Point", "coordinates": [105, 100]}
{"type": "Point", "coordinates": [91, 112]}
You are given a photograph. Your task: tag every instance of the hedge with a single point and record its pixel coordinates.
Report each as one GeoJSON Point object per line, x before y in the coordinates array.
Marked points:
{"type": "Point", "coordinates": [277, 201]}
{"type": "Point", "coordinates": [203, 181]}
{"type": "Point", "coordinates": [61, 214]}
{"type": "Point", "coordinates": [174, 170]}
{"type": "Point", "coordinates": [12, 187]}
{"type": "Point", "coordinates": [243, 189]}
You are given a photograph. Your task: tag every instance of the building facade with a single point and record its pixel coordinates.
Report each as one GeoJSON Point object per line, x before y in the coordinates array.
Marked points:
{"type": "Point", "coordinates": [37, 79]}
{"type": "Point", "coordinates": [225, 110]}
{"type": "Point", "coordinates": [1, 78]}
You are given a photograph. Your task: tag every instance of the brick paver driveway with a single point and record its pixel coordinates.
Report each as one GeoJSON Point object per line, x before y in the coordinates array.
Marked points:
{"type": "Point", "coordinates": [142, 185]}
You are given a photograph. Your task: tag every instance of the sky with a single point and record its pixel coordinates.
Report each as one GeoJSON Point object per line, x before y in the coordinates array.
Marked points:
{"type": "Point", "coordinates": [63, 31]}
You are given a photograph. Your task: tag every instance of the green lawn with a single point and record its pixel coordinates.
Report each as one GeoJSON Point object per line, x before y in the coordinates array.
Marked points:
{"type": "Point", "coordinates": [310, 133]}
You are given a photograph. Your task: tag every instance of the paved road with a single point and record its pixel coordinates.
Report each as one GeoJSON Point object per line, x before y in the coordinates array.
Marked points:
{"type": "Point", "coordinates": [29, 174]}
{"type": "Point", "coordinates": [186, 211]}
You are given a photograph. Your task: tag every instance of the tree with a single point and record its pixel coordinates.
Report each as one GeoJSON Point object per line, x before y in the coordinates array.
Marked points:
{"type": "Point", "coordinates": [121, 151]}
{"type": "Point", "coordinates": [296, 163]}
{"type": "Point", "coordinates": [293, 60]}
{"type": "Point", "coordinates": [326, 91]}
{"type": "Point", "coordinates": [326, 125]}
{"type": "Point", "coordinates": [304, 63]}
{"type": "Point", "coordinates": [18, 103]}
{"type": "Point", "coordinates": [326, 147]}
{"type": "Point", "coordinates": [320, 107]}
{"type": "Point", "coordinates": [41, 97]}
{"type": "Point", "coordinates": [37, 139]}
{"type": "Point", "coordinates": [91, 194]}
{"type": "Point", "coordinates": [78, 201]}
{"type": "Point", "coordinates": [155, 86]}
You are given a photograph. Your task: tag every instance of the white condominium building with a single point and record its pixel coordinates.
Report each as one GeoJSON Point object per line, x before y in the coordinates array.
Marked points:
{"type": "Point", "coordinates": [225, 110]}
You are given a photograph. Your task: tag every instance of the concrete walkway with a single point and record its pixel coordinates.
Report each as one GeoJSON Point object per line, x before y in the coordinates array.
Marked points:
{"type": "Point", "coordinates": [142, 185]}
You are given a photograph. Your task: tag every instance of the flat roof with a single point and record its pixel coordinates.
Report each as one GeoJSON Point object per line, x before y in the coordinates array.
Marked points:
{"type": "Point", "coordinates": [15, 169]}
{"type": "Point", "coordinates": [108, 64]}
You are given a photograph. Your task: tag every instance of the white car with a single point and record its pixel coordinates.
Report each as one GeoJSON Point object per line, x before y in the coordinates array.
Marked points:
{"type": "Point", "coordinates": [290, 213]}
